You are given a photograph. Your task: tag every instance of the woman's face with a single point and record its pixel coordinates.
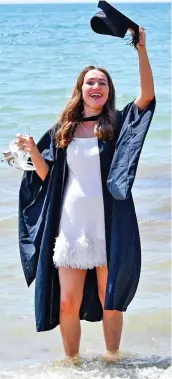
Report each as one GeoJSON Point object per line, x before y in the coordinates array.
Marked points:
{"type": "Point", "coordinates": [95, 89]}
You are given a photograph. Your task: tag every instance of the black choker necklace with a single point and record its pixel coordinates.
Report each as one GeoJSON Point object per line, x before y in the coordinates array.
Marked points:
{"type": "Point", "coordinates": [91, 118]}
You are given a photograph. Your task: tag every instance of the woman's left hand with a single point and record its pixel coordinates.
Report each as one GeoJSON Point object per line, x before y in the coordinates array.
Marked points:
{"type": "Point", "coordinates": [142, 38]}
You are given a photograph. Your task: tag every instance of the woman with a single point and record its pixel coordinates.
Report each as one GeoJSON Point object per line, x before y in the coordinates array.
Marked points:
{"type": "Point", "coordinates": [76, 236]}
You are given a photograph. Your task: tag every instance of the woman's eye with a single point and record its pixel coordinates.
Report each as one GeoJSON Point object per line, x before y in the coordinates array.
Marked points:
{"type": "Point", "coordinates": [100, 83]}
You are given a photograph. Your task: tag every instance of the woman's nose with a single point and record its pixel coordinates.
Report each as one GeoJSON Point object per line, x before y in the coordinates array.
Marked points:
{"type": "Point", "coordinates": [96, 85]}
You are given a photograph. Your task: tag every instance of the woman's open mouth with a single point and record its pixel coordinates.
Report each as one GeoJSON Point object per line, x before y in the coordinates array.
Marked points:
{"type": "Point", "coordinates": [96, 95]}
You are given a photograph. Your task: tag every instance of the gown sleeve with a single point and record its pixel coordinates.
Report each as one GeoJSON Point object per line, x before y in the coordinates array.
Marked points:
{"type": "Point", "coordinates": [131, 132]}
{"type": "Point", "coordinates": [32, 208]}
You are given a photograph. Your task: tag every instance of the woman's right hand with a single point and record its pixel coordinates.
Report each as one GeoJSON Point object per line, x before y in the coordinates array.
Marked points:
{"type": "Point", "coordinates": [26, 143]}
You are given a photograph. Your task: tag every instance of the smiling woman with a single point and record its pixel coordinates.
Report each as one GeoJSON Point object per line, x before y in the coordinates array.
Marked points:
{"type": "Point", "coordinates": [78, 230]}
{"type": "Point", "coordinates": [93, 95]}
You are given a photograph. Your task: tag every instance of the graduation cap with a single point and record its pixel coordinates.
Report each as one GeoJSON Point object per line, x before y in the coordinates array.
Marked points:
{"type": "Point", "coordinates": [111, 22]}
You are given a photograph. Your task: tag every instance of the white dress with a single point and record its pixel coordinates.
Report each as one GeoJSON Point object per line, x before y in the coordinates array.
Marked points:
{"type": "Point", "coordinates": [81, 240]}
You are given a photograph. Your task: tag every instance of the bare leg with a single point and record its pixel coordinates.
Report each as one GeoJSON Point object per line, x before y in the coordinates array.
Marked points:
{"type": "Point", "coordinates": [71, 293]}
{"type": "Point", "coordinates": [112, 320]}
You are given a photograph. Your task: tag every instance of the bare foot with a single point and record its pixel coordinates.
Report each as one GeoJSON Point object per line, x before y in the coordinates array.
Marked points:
{"type": "Point", "coordinates": [75, 360]}
{"type": "Point", "coordinates": [109, 356]}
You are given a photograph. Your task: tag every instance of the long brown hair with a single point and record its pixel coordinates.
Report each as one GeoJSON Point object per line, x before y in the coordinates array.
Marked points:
{"type": "Point", "coordinates": [72, 114]}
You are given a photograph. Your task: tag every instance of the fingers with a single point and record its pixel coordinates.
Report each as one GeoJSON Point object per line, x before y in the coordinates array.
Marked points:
{"type": "Point", "coordinates": [22, 146]}
{"type": "Point", "coordinates": [131, 30]}
{"type": "Point", "coordinates": [141, 31]}
{"type": "Point", "coordinates": [141, 28]}
{"type": "Point", "coordinates": [25, 143]}
{"type": "Point", "coordinates": [24, 137]}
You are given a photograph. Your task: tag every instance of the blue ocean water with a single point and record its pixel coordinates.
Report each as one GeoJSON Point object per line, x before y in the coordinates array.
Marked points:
{"type": "Point", "coordinates": [43, 47]}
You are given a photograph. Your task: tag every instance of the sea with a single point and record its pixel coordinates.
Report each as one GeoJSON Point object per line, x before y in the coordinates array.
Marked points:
{"type": "Point", "coordinates": [43, 48]}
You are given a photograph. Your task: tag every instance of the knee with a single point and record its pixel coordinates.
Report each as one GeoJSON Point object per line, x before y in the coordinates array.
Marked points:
{"type": "Point", "coordinates": [69, 304]}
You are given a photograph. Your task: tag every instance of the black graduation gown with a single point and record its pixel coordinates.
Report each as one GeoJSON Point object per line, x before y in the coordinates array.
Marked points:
{"type": "Point", "coordinates": [40, 207]}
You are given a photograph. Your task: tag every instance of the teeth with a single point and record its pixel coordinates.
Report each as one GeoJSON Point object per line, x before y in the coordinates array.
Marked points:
{"type": "Point", "coordinates": [96, 94]}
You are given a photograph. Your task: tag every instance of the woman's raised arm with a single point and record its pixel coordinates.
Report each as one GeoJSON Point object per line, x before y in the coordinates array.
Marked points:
{"type": "Point", "coordinates": [146, 77]}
